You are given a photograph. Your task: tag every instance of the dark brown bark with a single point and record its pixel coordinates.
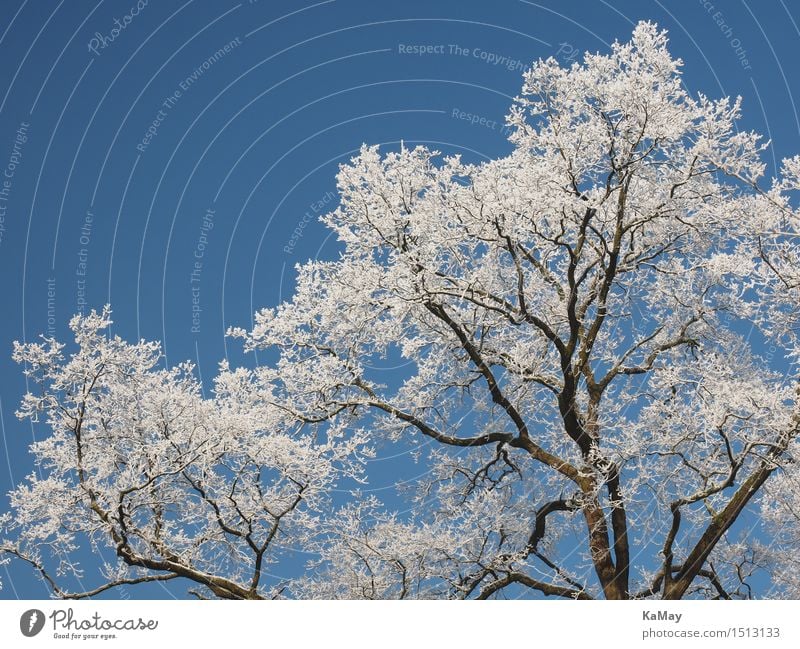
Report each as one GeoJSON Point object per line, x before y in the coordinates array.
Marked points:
{"type": "Point", "coordinates": [676, 587]}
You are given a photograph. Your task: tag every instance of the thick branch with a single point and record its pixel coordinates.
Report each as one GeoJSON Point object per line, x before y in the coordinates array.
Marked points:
{"type": "Point", "coordinates": [724, 519]}
{"type": "Point", "coordinates": [551, 590]}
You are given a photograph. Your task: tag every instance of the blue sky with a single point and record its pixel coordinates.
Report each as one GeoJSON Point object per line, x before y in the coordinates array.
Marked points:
{"type": "Point", "coordinates": [151, 172]}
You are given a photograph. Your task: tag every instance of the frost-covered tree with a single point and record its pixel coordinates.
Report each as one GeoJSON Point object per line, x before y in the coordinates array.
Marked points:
{"type": "Point", "coordinates": [599, 336]}
{"type": "Point", "coordinates": [164, 483]}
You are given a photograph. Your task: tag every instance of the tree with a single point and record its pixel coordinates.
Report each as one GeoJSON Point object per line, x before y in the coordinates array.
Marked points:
{"type": "Point", "coordinates": [598, 333]}
{"type": "Point", "coordinates": [173, 484]}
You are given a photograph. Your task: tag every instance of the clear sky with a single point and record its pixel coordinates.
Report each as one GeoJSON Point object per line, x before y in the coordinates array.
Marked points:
{"type": "Point", "coordinates": [174, 163]}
